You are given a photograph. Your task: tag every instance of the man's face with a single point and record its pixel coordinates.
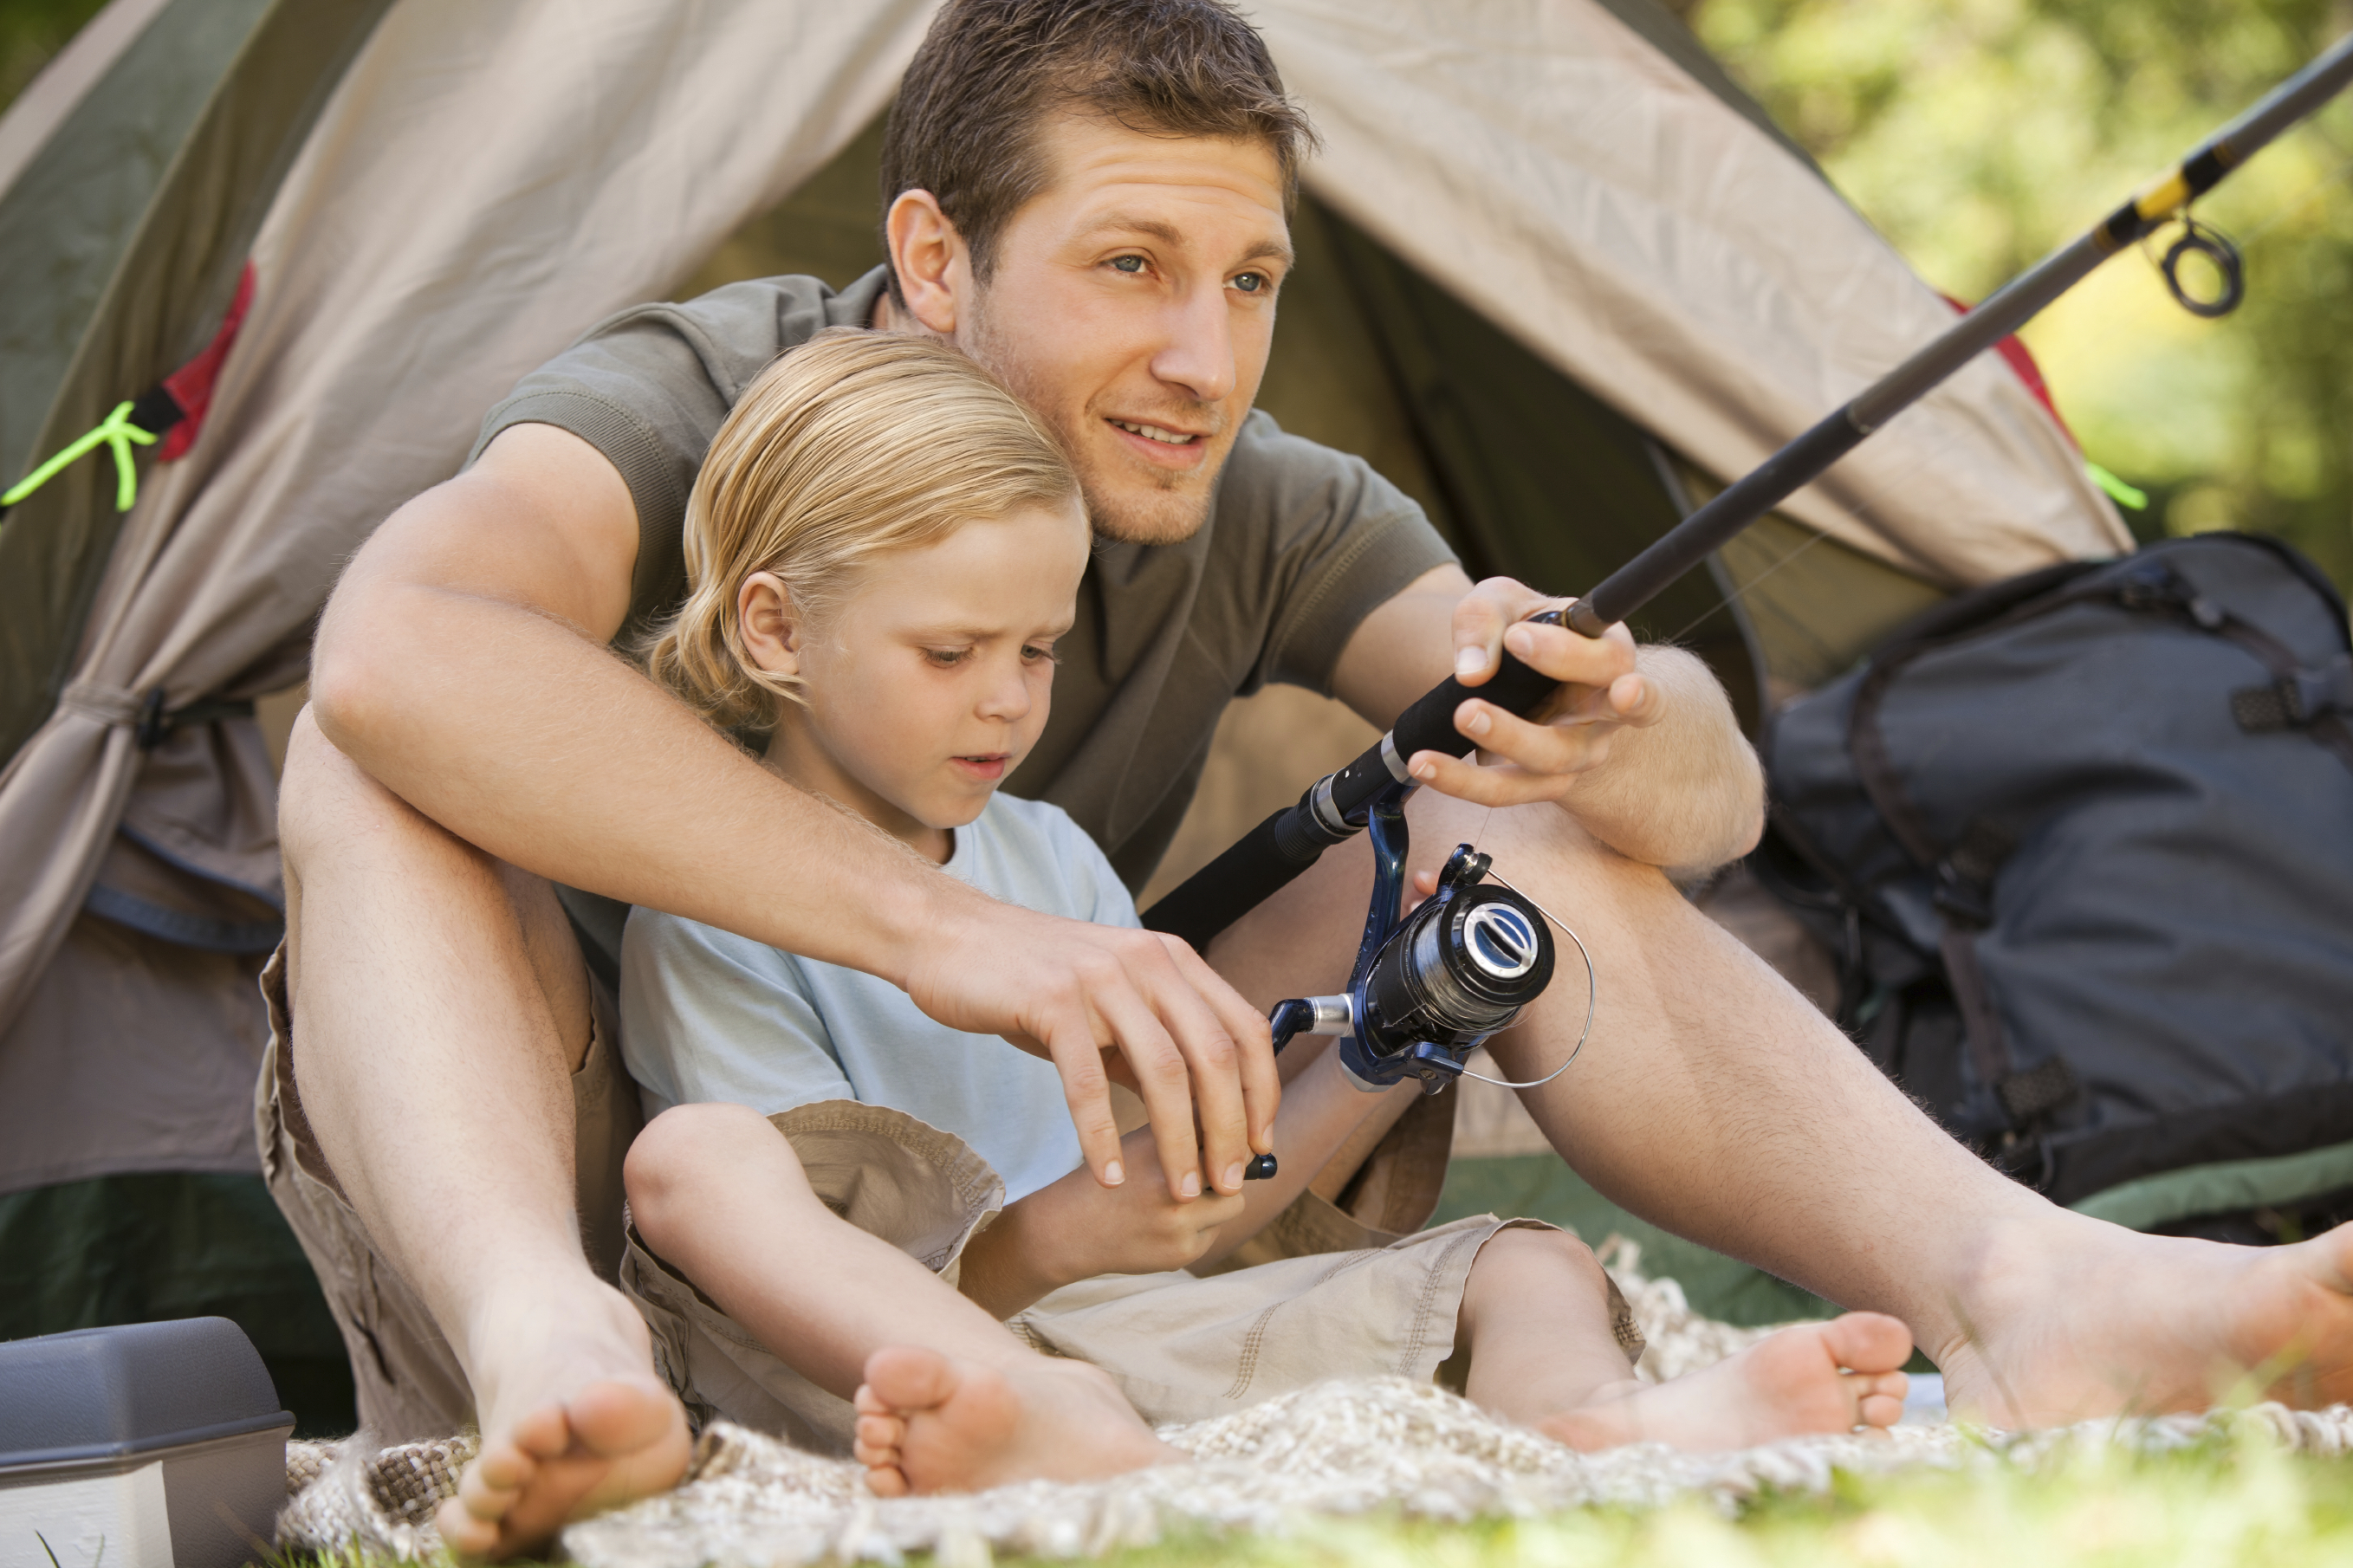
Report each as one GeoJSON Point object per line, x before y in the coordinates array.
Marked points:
{"type": "Point", "coordinates": [1131, 305]}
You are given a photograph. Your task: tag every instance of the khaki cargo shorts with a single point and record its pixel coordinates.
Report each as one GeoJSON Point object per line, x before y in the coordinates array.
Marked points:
{"type": "Point", "coordinates": [1180, 1347]}
{"type": "Point", "coordinates": [410, 1387]}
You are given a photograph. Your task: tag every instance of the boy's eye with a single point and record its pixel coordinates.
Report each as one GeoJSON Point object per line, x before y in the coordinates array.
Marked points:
{"type": "Point", "coordinates": [1031, 654]}
{"type": "Point", "coordinates": [1253, 282]}
{"type": "Point", "coordinates": [947, 657]}
{"type": "Point", "coordinates": [1128, 263]}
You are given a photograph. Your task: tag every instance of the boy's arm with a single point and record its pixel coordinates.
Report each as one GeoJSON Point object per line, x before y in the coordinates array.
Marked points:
{"type": "Point", "coordinates": [1073, 1230]}
{"type": "Point", "coordinates": [462, 663]}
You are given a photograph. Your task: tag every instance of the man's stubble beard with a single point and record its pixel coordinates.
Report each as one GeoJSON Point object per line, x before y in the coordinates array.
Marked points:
{"type": "Point", "coordinates": [1148, 508]}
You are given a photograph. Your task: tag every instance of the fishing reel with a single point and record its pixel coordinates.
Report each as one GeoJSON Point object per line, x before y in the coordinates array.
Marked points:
{"type": "Point", "coordinates": [1431, 985]}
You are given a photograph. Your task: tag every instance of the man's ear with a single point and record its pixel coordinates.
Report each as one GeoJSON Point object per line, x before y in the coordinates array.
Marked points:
{"type": "Point", "coordinates": [929, 255]}
{"type": "Point", "coordinates": [772, 626]}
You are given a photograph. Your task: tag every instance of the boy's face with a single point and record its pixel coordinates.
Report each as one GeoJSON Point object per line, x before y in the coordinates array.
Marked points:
{"type": "Point", "coordinates": [1131, 304]}
{"type": "Point", "coordinates": [927, 687]}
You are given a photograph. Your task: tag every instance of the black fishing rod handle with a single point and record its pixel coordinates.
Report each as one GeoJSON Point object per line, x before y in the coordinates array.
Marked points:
{"type": "Point", "coordinates": [1429, 724]}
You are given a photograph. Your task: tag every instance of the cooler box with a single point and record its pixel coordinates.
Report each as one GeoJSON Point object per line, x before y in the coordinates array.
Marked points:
{"type": "Point", "coordinates": [149, 1446]}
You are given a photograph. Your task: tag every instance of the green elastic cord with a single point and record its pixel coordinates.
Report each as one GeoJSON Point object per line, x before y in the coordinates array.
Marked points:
{"type": "Point", "coordinates": [119, 433]}
{"type": "Point", "coordinates": [2118, 491]}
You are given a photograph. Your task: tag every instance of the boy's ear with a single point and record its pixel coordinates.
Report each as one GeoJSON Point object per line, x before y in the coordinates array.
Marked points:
{"type": "Point", "coordinates": [771, 625]}
{"type": "Point", "coordinates": [928, 255]}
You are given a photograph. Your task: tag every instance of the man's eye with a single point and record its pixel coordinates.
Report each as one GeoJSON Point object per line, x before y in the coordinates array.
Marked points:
{"type": "Point", "coordinates": [1128, 263]}
{"type": "Point", "coordinates": [1031, 653]}
{"type": "Point", "coordinates": [1253, 283]}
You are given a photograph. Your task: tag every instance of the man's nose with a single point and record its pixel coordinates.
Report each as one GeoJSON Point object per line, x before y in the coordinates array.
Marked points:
{"type": "Point", "coordinates": [1200, 353]}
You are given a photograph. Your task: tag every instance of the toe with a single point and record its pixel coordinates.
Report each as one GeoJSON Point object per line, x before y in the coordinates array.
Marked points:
{"type": "Point", "coordinates": [544, 1434]}
{"type": "Point", "coordinates": [620, 1416]}
{"type": "Point", "coordinates": [1868, 1341]}
{"type": "Point", "coordinates": [886, 1480]}
{"type": "Point", "coordinates": [905, 1377]}
{"type": "Point", "coordinates": [462, 1533]}
{"type": "Point", "coordinates": [487, 1487]}
{"type": "Point", "coordinates": [1880, 1410]}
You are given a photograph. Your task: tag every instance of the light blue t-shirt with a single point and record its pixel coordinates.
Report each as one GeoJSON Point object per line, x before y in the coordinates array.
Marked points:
{"type": "Point", "coordinates": [710, 1015]}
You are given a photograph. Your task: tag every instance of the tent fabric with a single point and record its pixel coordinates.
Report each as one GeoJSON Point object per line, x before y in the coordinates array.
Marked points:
{"type": "Point", "coordinates": [486, 181]}
{"type": "Point", "coordinates": [1637, 232]}
{"type": "Point", "coordinates": [167, 277]}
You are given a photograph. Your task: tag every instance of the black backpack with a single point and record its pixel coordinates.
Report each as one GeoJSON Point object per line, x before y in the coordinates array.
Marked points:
{"type": "Point", "coordinates": [2081, 843]}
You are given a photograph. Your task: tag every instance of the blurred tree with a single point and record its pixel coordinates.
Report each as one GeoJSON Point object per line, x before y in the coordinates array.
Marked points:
{"type": "Point", "coordinates": [30, 32]}
{"type": "Point", "coordinates": [1977, 134]}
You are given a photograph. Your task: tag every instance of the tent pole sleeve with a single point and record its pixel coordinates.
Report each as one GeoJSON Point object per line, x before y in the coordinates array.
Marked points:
{"type": "Point", "coordinates": [1803, 460]}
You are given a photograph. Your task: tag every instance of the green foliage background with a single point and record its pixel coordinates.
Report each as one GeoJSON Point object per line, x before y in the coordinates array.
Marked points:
{"type": "Point", "coordinates": [1978, 134]}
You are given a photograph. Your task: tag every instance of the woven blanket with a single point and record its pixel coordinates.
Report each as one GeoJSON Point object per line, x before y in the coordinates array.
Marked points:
{"type": "Point", "coordinates": [1341, 1448]}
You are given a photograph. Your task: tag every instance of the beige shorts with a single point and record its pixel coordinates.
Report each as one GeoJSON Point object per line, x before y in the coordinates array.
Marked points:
{"type": "Point", "coordinates": [410, 1387]}
{"type": "Point", "coordinates": [1180, 1347]}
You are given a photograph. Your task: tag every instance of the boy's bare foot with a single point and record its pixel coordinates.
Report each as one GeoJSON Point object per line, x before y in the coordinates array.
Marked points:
{"type": "Point", "coordinates": [927, 1423]}
{"type": "Point", "coordinates": [2085, 1320]}
{"type": "Point", "coordinates": [575, 1424]}
{"type": "Point", "coordinates": [1785, 1387]}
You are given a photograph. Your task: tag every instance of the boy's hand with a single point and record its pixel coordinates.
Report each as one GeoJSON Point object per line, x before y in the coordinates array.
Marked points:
{"type": "Point", "coordinates": [1077, 1229]}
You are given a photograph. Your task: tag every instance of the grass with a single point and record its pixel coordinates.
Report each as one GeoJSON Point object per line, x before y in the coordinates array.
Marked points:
{"type": "Point", "coordinates": [2246, 1503]}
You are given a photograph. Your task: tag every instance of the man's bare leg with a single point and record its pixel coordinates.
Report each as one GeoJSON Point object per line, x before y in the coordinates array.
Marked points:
{"type": "Point", "coordinates": [1713, 1100]}
{"type": "Point", "coordinates": [1536, 1321]}
{"type": "Point", "coordinates": [441, 1007]}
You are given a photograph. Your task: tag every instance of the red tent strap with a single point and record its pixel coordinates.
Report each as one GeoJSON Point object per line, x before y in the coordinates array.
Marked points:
{"type": "Point", "coordinates": [2021, 361]}
{"type": "Point", "coordinates": [191, 385]}
{"type": "Point", "coordinates": [173, 409]}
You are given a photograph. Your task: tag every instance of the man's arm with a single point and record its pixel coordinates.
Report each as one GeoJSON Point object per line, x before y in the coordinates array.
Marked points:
{"type": "Point", "coordinates": [1644, 751]}
{"type": "Point", "coordinates": [462, 663]}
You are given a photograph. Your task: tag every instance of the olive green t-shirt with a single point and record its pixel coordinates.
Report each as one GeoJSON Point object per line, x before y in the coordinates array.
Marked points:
{"type": "Point", "coordinates": [1301, 543]}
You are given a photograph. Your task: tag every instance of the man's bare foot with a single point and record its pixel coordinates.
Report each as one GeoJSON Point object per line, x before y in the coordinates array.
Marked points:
{"type": "Point", "coordinates": [1784, 1386]}
{"type": "Point", "coordinates": [575, 1425]}
{"type": "Point", "coordinates": [927, 1423]}
{"type": "Point", "coordinates": [2086, 1319]}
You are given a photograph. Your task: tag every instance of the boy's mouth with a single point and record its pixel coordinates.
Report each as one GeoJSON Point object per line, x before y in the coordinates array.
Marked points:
{"type": "Point", "coordinates": [984, 765]}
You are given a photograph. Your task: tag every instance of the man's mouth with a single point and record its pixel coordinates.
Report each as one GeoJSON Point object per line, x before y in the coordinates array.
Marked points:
{"type": "Point", "coordinates": [1157, 432]}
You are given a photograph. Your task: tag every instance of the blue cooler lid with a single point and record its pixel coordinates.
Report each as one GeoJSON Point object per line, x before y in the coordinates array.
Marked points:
{"type": "Point", "coordinates": [98, 1394]}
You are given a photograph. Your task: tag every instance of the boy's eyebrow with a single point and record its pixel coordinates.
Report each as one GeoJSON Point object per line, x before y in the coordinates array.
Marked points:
{"type": "Point", "coordinates": [981, 634]}
{"type": "Point", "coordinates": [1169, 233]}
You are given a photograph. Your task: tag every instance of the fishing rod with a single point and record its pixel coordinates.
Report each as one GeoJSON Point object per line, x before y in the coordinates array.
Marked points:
{"type": "Point", "coordinates": [1371, 789]}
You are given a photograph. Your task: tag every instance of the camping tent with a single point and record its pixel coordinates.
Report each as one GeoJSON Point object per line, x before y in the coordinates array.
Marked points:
{"type": "Point", "coordinates": [1555, 272]}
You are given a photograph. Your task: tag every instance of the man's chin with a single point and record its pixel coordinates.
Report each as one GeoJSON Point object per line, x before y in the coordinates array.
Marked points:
{"type": "Point", "coordinates": [1141, 514]}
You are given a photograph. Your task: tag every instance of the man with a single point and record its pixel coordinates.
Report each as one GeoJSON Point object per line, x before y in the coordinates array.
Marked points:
{"type": "Point", "coordinates": [1089, 197]}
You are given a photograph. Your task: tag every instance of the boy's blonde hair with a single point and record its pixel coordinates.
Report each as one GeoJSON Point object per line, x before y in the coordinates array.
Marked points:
{"type": "Point", "coordinates": [854, 444]}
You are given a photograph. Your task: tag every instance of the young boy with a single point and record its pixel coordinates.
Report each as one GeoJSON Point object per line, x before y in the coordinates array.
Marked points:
{"type": "Point", "coordinates": [838, 1198]}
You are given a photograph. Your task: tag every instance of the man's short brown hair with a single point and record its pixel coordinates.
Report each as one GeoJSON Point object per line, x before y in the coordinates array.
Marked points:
{"type": "Point", "coordinates": [989, 72]}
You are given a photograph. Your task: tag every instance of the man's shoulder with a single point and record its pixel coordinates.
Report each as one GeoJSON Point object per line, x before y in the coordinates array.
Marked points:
{"type": "Point", "coordinates": [728, 335]}
{"type": "Point", "coordinates": [1280, 480]}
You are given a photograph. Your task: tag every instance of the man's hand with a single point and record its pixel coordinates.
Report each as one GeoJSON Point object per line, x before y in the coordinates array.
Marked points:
{"type": "Point", "coordinates": [1077, 1229]}
{"type": "Point", "coordinates": [1537, 759]}
{"type": "Point", "coordinates": [1641, 746]}
{"type": "Point", "coordinates": [1106, 1003]}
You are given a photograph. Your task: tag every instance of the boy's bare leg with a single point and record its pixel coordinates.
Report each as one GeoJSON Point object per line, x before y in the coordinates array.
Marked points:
{"type": "Point", "coordinates": [1715, 1100]}
{"type": "Point", "coordinates": [1536, 1321]}
{"type": "Point", "coordinates": [440, 1007]}
{"type": "Point", "coordinates": [719, 1194]}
